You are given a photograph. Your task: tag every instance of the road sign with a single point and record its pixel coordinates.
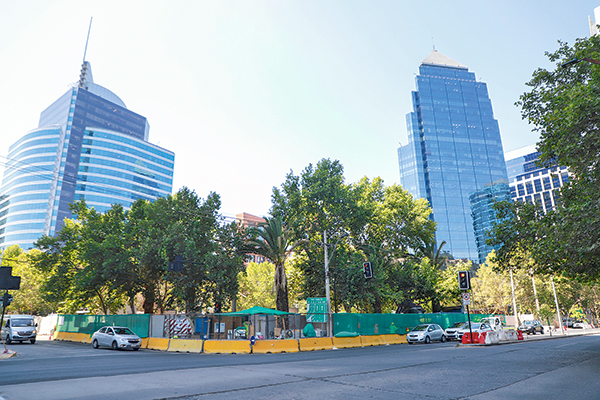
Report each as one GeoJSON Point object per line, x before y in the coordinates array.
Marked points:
{"type": "Point", "coordinates": [316, 309]}
{"type": "Point", "coordinates": [466, 297]}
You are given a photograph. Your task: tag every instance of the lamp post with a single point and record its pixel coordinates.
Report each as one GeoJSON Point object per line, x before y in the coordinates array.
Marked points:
{"type": "Point", "coordinates": [327, 295]}
{"type": "Point", "coordinates": [578, 60]}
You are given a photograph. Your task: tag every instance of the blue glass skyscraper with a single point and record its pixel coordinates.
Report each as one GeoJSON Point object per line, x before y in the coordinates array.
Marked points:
{"type": "Point", "coordinates": [454, 149]}
{"type": "Point", "coordinates": [88, 146]}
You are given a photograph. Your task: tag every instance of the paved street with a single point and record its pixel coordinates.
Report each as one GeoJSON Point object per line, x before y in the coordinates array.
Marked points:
{"type": "Point", "coordinates": [544, 369]}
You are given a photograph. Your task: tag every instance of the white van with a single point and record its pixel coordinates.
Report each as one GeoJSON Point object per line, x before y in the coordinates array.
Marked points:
{"type": "Point", "coordinates": [18, 328]}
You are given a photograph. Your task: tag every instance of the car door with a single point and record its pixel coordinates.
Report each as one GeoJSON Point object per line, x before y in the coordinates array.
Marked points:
{"type": "Point", "coordinates": [101, 336]}
{"type": "Point", "coordinates": [438, 332]}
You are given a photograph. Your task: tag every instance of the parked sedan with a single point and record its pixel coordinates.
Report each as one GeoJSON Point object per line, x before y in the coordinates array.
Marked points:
{"type": "Point", "coordinates": [475, 327]}
{"type": "Point", "coordinates": [425, 333]}
{"type": "Point", "coordinates": [117, 337]}
{"type": "Point", "coordinates": [531, 327]}
{"type": "Point", "coordinates": [452, 330]}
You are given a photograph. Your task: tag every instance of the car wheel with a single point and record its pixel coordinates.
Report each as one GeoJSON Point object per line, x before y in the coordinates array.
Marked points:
{"type": "Point", "coordinates": [443, 339]}
{"type": "Point", "coordinates": [8, 340]}
{"type": "Point", "coordinates": [32, 341]}
{"type": "Point", "coordinates": [95, 344]}
{"type": "Point", "coordinates": [410, 342]}
{"type": "Point", "coordinates": [115, 346]}
{"type": "Point", "coordinates": [542, 332]}
{"type": "Point", "coordinates": [533, 332]}
{"type": "Point", "coordinates": [427, 340]}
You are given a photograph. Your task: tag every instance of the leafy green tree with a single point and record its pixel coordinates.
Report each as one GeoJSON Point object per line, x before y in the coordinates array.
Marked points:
{"type": "Point", "coordinates": [363, 221]}
{"type": "Point", "coordinates": [29, 298]}
{"type": "Point", "coordinates": [563, 105]}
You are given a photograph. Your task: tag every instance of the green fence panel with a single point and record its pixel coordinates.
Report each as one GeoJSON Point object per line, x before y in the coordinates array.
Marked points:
{"type": "Point", "coordinates": [350, 324]}
{"type": "Point", "coordinates": [138, 323]}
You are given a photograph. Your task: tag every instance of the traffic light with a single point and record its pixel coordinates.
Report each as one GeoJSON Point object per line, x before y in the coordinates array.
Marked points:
{"type": "Point", "coordinates": [6, 299]}
{"type": "Point", "coordinates": [217, 307]}
{"type": "Point", "coordinates": [464, 281]}
{"type": "Point", "coordinates": [177, 265]}
{"type": "Point", "coordinates": [368, 270]}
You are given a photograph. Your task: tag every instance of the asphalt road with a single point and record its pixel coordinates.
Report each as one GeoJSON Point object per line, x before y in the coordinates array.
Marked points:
{"type": "Point", "coordinates": [564, 368]}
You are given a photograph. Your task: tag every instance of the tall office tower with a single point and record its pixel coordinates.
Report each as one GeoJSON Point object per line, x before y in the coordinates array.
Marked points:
{"type": "Point", "coordinates": [89, 146]}
{"type": "Point", "coordinates": [454, 149]}
{"type": "Point", "coordinates": [530, 183]}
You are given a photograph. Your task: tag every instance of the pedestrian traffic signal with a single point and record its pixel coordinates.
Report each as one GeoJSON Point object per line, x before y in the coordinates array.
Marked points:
{"type": "Point", "coordinates": [464, 281]}
{"type": "Point", "coordinates": [368, 270]}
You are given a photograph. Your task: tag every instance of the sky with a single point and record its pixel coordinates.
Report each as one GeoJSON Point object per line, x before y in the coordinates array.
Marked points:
{"type": "Point", "coordinates": [245, 92]}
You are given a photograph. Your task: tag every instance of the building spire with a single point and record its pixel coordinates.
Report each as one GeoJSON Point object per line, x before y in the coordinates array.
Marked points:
{"type": "Point", "coordinates": [85, 65]}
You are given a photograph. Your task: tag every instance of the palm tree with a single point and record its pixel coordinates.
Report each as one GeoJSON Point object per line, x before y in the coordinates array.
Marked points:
{"type": "Point", "coordinates": [274, 241]}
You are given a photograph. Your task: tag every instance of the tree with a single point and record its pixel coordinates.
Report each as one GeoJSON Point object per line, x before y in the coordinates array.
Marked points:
{"type": "Point", "coordinates": [29, 299]}
{"type": "Point", "coordinates": [365, 221]}
{"type": "Point", "coordinates": [275, 242]}
{"type": "Point", "coordinates": [563, 105]}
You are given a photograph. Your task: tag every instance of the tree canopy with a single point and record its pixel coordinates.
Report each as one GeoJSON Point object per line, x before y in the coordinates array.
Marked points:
{"type": "Point", "coordinates": [563, 105]}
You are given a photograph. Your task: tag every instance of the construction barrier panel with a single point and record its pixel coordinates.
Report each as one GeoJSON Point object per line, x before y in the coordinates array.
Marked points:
{"type": "Point", "coordinates": [158, 344]}
{"type": "Point", "coordinates": [88, 324]}
{"type": "Point", "coordinates": [466, 339]}
{"type": "Point", "coordinates": [185, 345]}
{"type": "Point", "coordinates": [73, 337]}
{"type": "Point", "coordinates": [276, 346]}
{"type": "Point", "coordinates": [346, 342]}
{"type": "Point", "coordinates": [350, 324]}
{"type": "Point", "coordinates": [310, 344]}
{"type": "Point", "coordinates": [394, 338]}
{"type": "Point", "coordinates": [227, 346]}
{"type": "Point", "coordinates": [375, 340]}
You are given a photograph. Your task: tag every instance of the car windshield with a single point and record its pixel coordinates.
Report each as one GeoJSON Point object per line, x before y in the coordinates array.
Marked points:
{"type": "Point", "coordinates": [457, 324]}
{"type": "Point", "coordinates": [473, 325]}
{"type": "Point", "coordinates": [21, 322]}
{"type": "Point", "coordinates": [420, 328]}
{"type": "Point", "coordinates": [123, 331]}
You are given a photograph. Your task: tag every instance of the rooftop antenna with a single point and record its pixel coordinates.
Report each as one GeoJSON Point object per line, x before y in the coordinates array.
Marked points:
{"type": "Point", "coordinates": [88, 38]}
{"type": "Point", "coordinates": [82, 76]}
{"type": "Point", "coordinates": [432, 43]}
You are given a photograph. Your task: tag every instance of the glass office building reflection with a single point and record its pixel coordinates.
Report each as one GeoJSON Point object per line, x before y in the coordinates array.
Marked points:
{"type": "Point", "coordinates": [88, 146]}
{"type": "Point", "coordinates": [454, 149]}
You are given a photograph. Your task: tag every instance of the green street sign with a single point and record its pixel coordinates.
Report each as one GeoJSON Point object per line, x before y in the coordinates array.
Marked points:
{"type": "Point", "coordinates": [316, 309]}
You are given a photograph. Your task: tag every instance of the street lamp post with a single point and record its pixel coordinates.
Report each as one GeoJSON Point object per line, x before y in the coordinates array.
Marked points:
{"type": "Point", "coordinates": [578, 60]}
{"type": "Point", "coordinates": [327, 284]}
{"type": "Point", "coordinates": [327, 294]}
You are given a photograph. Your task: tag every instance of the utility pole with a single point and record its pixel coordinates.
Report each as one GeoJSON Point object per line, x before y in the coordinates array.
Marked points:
{"type": "Point", "coordinates": [514, 302]}
{"type": "Point", "coordinates": [327, 284]}
{"type": "Point", "coordinates": [557, 309]}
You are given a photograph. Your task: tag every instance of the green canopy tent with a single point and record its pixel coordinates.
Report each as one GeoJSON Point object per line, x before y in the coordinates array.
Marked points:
{"type": "Point", "coordinates": [255, 311]}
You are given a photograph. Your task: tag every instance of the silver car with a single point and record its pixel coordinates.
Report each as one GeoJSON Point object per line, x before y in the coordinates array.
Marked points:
{"type": "Point", "coordinates": [117, 337]}
{"type": "Point", "coordinates": [425, 333]}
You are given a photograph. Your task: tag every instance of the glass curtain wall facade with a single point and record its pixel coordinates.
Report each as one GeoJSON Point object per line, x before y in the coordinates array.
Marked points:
{"type": "Point", "coordinates": [530, 183]}
{"type": "Point", "coordinates": [454, 149]}
{"type": "Point", "coordinates": [88, 146]}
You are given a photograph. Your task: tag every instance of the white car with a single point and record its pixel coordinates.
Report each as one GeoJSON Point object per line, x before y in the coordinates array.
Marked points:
{"type": "Point", "coordinates": [452, 330]}
{"type": "Point", "coordinates": [117, 337]}
{"type": "Point", "coordinates": [425, 333]}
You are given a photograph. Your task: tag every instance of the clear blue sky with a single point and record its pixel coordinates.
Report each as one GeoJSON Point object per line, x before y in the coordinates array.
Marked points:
{"type": "Point", "coordinates": [245, 91]}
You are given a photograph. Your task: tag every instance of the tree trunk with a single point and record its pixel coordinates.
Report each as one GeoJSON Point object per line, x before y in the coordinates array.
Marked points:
{"type": "Point", "coordinates": [280, 286]}
{"type": "Point", "coordinates": [148, 300]}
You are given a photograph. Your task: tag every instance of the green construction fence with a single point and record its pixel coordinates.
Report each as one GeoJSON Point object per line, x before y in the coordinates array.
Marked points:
{"type": "Point", "coordinates": [88, 324]}
{"type": "Point", "coordinates": [345, 324]}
